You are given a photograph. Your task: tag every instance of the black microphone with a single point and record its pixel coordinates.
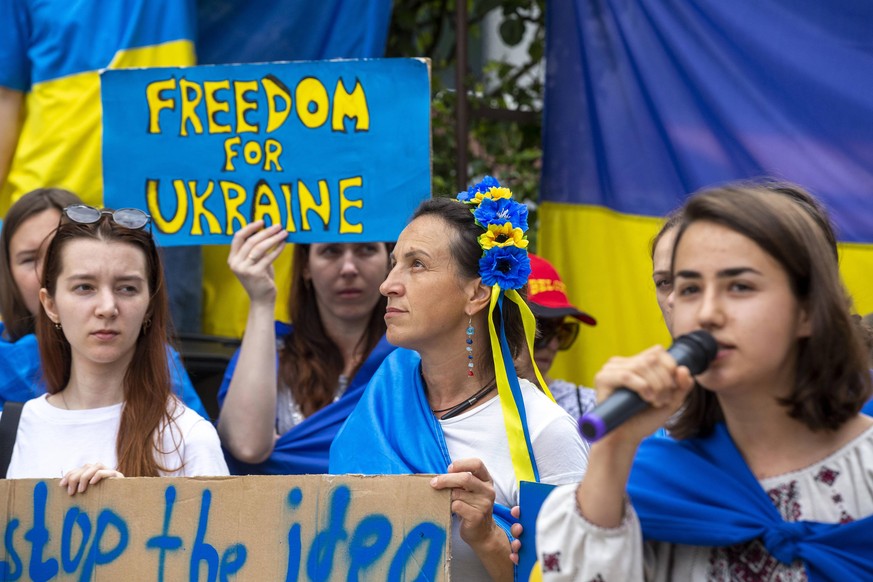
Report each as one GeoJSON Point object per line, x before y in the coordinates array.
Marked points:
{"type": "Point", "coordinates": [695, 350]}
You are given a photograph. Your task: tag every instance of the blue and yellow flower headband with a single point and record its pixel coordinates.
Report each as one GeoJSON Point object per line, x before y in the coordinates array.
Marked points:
{"type": "Point", "coordinates": [505, 267]}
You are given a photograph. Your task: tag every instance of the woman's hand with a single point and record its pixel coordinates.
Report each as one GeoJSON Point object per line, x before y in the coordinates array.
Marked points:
{"type": "Point", "coordinates": [472, 498]}
{"type": "Point", "coordinates": [473, 502]}
{"type": "Point", "coordinates": [78, 480]}
{"type": "Point", "coordinates": [656, 378]}
{"type": "Point", "coordinates": [252, 252]}
{"type": "Point", "coordinates": [516, 530]}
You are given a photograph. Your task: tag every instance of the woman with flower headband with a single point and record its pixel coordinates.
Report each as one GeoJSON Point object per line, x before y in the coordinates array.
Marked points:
{"type": "Point", "coordinates": [767, 475]}
{"type": "Point", "coordinates": [455, 406]}
{"type": "Point", "coordinates": [109, 411]}
{"type": "Point", "coordinates": [29, 224]}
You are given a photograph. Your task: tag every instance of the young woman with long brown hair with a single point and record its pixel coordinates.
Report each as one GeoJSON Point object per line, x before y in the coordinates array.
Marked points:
{"type": "Point", "coordinates": [279, 415]}
{"type": "Point", "coordinates": [28, 227]}
{"type": "Point", "coordinates": [109, 411]}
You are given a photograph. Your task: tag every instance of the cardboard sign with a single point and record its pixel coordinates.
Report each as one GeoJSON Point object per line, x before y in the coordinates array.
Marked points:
{"type": "Point", "coordinates": [314, 527]}
{"type": "Point", "coordinates": [336, 151]}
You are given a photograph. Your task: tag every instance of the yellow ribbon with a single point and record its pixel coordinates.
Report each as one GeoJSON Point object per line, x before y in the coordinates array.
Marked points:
{"type": "Point", "coordinates": [515, 429]}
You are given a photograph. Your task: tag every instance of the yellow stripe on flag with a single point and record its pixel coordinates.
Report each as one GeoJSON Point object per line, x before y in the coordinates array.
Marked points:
{"type": "Point", "coordinates": [604, 258]}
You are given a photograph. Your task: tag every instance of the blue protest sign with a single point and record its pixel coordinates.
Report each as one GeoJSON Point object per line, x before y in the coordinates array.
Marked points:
{"type": "Point", "coordinates": [334, 150]}
{"type": "Point", "coordinates": [531, 497]}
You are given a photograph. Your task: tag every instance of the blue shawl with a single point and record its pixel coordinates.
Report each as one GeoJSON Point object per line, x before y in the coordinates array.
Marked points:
{"type": "Point", "coordinates": [21, 373]}
{"type": "Point", "coordinates": [304, 449]}
{"type": "Point", "coordinates": [393, 431]}
{"type": "Point", "coordinates": [701, 492]}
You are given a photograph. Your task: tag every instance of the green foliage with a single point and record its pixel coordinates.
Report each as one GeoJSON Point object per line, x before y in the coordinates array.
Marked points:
{"type": "Point", "coordinates": [509, 150]}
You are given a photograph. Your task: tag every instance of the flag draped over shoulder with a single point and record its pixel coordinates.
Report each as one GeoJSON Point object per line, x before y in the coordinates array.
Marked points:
{"type": "Point", "coordinates": [393, 430]}
{"type": "Point", "coordinates": [673, 508]}
{"type": "Point", "coordinates": [306, 447]}
{"type": "Point", "coordinates": [650, 100]}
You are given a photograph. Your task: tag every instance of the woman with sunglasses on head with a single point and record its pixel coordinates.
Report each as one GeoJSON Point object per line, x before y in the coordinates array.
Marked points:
{"type": "Point", "coordinates": [289, 388]}
{"type": "Point", "coordinates": [767, 474]}
{"type": "Point", "coordinates": [451, 402]}
{"type": "Point", "coordinates": [557, 329]}
{"type": "Point", "coordinates": [29, 225]}
{"type": "Point", "coordinates": [109, 411]}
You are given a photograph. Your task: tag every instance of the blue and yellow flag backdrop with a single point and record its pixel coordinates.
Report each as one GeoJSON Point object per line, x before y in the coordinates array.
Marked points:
{"type": "Point", "coordinates": [51, 50]}
{"type": "Point", "coordinates": [239, 31]}
{"type": "Point", "coordinates": [650, 100]}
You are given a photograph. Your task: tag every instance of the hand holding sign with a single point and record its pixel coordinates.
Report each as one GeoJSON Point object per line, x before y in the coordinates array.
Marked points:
{"type": "Point", "coordinates": [78, 480]}
{"type": "Point", "coordinates": [252, 252]}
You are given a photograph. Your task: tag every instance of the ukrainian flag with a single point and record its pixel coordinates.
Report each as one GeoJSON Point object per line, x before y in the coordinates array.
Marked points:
{"type": "Point", "coordinates": [52, 51]}
{"type": "Point", "coordinates": [650, 100]}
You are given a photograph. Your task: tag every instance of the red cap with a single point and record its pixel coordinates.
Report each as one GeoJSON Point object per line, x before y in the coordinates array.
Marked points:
{"type": "Point", "coordinates": [547, 294]}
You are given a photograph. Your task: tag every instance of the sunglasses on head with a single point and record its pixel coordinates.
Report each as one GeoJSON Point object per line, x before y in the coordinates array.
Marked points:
{"type": "Point", "coordinates": [565, 330]}
{"type": "Point", "coordinates": [132, 218]}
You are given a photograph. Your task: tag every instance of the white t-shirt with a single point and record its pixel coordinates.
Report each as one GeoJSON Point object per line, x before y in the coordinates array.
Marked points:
{"type": "Point", "coordinates": [561, 456]}
{"type": "Point", "coordinates": [52, 441]}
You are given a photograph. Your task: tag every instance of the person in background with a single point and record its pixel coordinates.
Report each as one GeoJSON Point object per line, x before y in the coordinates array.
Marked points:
{"type": "Point", "coordinates": [109, 411]}
{"type": "Point", "coordinates": [450, 402]}
{"type": "Point", "coordinates": [767, 471]}
{"type": "Point", "coordinates": [662, 257]}
{"type": "Point", "coordinates": [29, 225]}
{"type": "Point", "coordinates": [558, 324]}
{"type": "Point", "coordinates": [281, 411]}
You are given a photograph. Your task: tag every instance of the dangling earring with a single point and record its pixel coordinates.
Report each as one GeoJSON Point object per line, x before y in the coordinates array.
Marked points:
{"type": "Point", "coordinates": [470, 332]}
{"type": "Point", "coordinates": [146, 324]}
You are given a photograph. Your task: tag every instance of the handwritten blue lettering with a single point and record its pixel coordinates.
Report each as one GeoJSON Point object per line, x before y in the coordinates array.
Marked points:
{"type": "Point", "coordinates": [427, 532]}
{"type": "Point", "coordinates": [14, 572]}
{"type": "Point", "coordinates": [165, 542]}
{"type": "Point", "coordinates": [233, 558]}
{"type": "Point", "coordinates": [320, 562]}
{"type": "Point", "coordinates": [292, 572]}
{"type": "Point", "coordinates": [96, 556]}
{"type": "Point", "coordinates": [362, 554]}
{"type": "Point", "coordinates": [74, 516]}
{"type": "Point", "coordinates": [38, 536]}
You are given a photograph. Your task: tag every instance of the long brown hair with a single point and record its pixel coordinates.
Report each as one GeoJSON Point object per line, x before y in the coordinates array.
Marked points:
{"type": "Point", "coordinates": [18, 320]}
{"type": "Point", "coordinates": [310, 363]}
{"type": "Point", "coordinates": [832, 381]}
{"type": "Point", "coordinates": [148, 401]}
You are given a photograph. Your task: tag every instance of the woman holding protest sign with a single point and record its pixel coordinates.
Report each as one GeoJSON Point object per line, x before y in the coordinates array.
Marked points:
{"type": "Point", "coordinates": [109, 411]}
{"type": "Point", "coordinates": [29, 224]}
{"type": "Point", "coordinates": [279, 415]}
{"type": "Point", "coordinates": [771, 433]}
{"type": "Point", "coordinates": [455, 406]}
